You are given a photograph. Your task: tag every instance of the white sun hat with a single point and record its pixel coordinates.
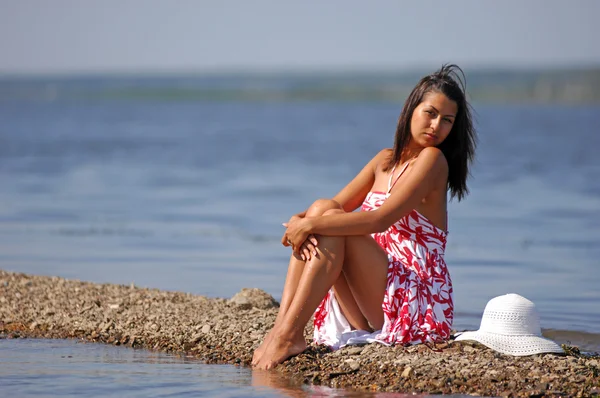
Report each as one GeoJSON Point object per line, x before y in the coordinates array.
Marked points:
{"type": "Point", "coordinates": [511, 325]}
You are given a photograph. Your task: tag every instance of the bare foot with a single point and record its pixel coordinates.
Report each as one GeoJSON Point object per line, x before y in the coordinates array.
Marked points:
{"type": "Point", "coordinates": [261, 348]}
{"type": "Point", "coordinates": [280, 349]}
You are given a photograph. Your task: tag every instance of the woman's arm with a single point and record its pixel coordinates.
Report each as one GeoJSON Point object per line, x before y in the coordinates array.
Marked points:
{"type": "Point", "coordinates": [353, 194]}
{"type": "Point", "coordinates": [429, 171]}
{"type": "Point", "coordinates": [349, 198]}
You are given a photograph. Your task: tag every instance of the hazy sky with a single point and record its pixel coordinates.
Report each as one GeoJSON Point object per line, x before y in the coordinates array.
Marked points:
{"type": "Point", "coordinates": [50, 36]}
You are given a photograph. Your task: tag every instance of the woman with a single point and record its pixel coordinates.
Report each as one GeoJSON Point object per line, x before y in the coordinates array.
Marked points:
{"type": "Point", "coordinates": [381, 269]}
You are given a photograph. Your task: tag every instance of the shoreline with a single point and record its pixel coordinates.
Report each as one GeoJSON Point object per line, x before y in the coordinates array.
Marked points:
{"type": "Point", "coordinates": [226, 331]}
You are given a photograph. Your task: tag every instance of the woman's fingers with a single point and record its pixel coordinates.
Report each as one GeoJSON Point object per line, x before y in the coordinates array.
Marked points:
{"type": "Point", "coordinates": [305, 253]}
{"type": "Point", "coordinates": [311, 249]}
{"type": "Point", "coordinates": [308, 250]}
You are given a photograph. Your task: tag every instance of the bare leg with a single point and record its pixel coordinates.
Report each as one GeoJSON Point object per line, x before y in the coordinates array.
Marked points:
{"type": "Point", "coordinates": [360, 298]}
{"type": "Point", "coordinates": [365, 269]}
{"type": "Point", "coordinates": [348, 305]}
{"type": "Point", "coordinates": [295, 268]}
{"type": "Point", "coordinates": [319, 274]}
{"type": "Point", "coordinates": [294, 273]}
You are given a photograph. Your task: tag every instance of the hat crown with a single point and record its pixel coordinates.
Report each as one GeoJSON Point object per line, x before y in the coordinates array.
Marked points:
{"type": "Point", "coordinates": [511, 314]}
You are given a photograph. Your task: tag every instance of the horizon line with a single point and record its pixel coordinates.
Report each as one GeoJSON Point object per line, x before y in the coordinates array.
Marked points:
{"type": "Point", "coordinates": [284, 71]}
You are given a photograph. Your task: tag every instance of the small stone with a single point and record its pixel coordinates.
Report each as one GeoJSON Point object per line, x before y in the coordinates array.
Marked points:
{"type": "Point", "coordinates": [242, 302]}
{"type": "Point", "coordinates": [407, 372]}
{"type": "Point", "coordinates": [249, 298]}
{"type": "Point", "coordinates": [355, 351]}
{"type": "Point", "coordinates": [541, 386]}
{"type": "Point", "coordinates": [352, 364]}
{"type": "Point", "coordinates": [206, 329]}
{"type": "Point", "coordinates": [196, 337]}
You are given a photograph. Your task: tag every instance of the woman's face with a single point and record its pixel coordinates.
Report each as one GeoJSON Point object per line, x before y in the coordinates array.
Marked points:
{"type": "Point", "coordinates": [432, 119]}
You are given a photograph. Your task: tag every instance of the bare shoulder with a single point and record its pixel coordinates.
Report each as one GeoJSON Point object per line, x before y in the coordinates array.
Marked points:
{"type": "Point", "coordinates": [382, 157]}
{"type": "Point", "coordinates": [432, 157]}
{"type": "Point", "coordinates": [384, 154]}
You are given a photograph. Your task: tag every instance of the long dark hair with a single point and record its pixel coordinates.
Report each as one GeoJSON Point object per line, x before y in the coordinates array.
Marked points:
{"type": "Point", "coordinates": [459, 146]}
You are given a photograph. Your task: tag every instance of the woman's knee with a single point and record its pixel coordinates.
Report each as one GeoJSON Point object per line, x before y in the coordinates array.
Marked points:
{"type": "Point", "coordinates": [320, 206]}
{"type": "Point", "coordinates": [333, 211]}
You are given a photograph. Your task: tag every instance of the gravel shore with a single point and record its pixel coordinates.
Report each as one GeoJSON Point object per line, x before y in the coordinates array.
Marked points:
{"type": "Point", "coordinates": [228, 330]}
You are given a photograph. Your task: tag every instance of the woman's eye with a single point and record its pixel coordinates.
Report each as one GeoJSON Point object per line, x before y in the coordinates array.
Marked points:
{"type": "Point", "coordinates": [429, 112]}
{"type": "Point", "coordinates": [448, 120]}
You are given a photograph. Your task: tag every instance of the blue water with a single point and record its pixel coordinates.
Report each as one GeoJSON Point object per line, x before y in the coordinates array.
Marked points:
{"type": "Point", "coordinates": [189, 195]}
{"type": "Point", "coordinates": [60, 368]}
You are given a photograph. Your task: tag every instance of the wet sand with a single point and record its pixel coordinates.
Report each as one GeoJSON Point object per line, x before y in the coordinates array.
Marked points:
{"type": "Point", "coordinates": [217, 330]}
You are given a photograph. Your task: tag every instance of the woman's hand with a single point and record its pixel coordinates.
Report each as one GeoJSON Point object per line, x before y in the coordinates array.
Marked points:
{"type": "Point", "coordinates": [298, 236]}
{"type": "Point", "coordinates": [284, 238]}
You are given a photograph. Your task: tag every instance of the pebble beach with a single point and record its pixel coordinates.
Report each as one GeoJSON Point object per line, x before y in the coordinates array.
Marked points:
{"type": "Point", "coordinates": [227, 330]}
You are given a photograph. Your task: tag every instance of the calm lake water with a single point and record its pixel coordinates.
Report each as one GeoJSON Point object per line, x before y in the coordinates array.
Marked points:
{"type": "Point", "coordinates": [189, 195]}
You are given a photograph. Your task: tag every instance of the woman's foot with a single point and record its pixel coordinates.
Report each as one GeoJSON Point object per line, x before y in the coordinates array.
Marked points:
{"type": "Point", "coordinates": [279, 349]}
{"type": "Point", "coordinates": [261, 348]}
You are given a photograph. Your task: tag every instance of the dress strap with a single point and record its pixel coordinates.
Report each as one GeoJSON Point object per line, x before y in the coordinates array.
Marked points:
{"type": "Point", "coordinates": [390, 185]}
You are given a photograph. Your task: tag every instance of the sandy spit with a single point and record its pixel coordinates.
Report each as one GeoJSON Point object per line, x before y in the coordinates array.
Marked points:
{"type": "Point", "coordinates": [217, 330]}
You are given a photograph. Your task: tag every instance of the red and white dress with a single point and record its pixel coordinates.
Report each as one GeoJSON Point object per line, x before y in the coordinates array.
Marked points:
{"type": "Point", "coordinates": [417, 305]}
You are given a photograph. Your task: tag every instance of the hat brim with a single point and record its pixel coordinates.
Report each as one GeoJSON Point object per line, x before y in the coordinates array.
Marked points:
{"type": "Point", "coordinates": [511, 344]}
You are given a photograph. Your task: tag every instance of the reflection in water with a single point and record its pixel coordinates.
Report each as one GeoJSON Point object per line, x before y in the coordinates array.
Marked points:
{"type": "Point", "coordinates": [292, 387]}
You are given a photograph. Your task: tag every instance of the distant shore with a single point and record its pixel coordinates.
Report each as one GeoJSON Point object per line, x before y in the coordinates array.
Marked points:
{"type": "Point", "coordinates": [563, 86]}
{"type": "Point", "coordinates": [228, 330]}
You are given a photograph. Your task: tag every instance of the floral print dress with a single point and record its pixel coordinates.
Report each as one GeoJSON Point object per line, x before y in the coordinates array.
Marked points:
{"type": "Point", "coordinates": [417, 305]}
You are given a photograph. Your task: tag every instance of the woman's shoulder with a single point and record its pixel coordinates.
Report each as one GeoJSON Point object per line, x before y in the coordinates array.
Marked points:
{"type": "Point", "coordinates": [382, 158]}
{"type": "Point", "coordinates": [434, 160]}
{"type": "Point", "coordinates": [384, 155]}
{"type": "Point", "coordinates": [433, 154]}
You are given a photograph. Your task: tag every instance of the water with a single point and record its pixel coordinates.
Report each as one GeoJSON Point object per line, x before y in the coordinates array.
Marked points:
{"type": "Point", "coordinates": [60, 368]}
{"type": "Point", "coordinates": [51, 368]}
{"type": "Point", "coordinates": [189, 195]}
